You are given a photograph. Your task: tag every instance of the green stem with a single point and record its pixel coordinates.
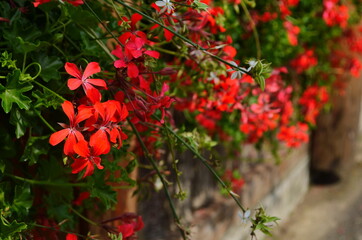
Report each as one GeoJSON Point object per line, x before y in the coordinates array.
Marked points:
{"type": "Point", "coordinates": [253, 26]}
{"type": "Point", "coordinates": [24, 61]}
{"type": "Point", "coordinates": [167, 51]}
{"type": "Point", "coordinates": [195, 45]}
{"type": "Point", "coordinates": [56, 229]}
{"type": "Point", "coordinates": [45, 121]}
{"type": "Point", "coordinates": [204, 161]}
{"type": "Point", "coordinates": [46, 183]}
{"type": "Point", "coordinates": [51, 91]}
{"type": "Point", "coordinates": [83, 217]}
{"type": "Point", "coordinates": [100, 43]}
{"type": "Point", "coordinates": [164, 183]}
{"type": "Point", "coordinates": [101, 22]}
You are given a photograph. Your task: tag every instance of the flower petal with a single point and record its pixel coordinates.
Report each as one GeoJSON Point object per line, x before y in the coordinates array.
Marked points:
{"type": "Point", "coordinates": [92, 68]}
{"type": "Point", "coordinates": [74, 83]}
{"type": "Point", "coordinates": [69, 111]}
{"type": "Point", "coordinates": [132, 70]}
{"type": "Point", "coordinates": [69, 144]}
{"type": "Point", "coordinates": [153, 54]}
{"type": "Point", "coordinates": [73, 70]}
{"type": "Point", "coordinates": [97, 82]}
{"type": "Point", "coordinates": [59, 136]}
{"type": "Point", "coordinates": [99, 142]}
{"type": "Point", "coordinates": [79, 164]}
{"type": "Point", "coordinates": [82, 149]}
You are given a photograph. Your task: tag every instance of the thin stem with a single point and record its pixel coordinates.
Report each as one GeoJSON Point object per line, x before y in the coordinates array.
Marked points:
{"type": "Point", "coordinates": [24, 60]}
{"type": "Point", "coordinates": [45, 121]}
{"type": "Point", "coordinates": [253, 26]}
{"type": "Point", "coordinates": [164, 183]}
{"type": "Point", "coordinates": [101, 22]}
{"type": "Point", "coordinates": [195, 45]}
{"type": "Point", "coordinates": [83, 217]}
{"type": "Point", "coordinates": [100, 43]}
{"type": "Point", "coordinates": [46, 183]}
{"type": "Point", "coordinates": [51, 91]}
{"type": "Point", "coordinates": [204, 161]}
{"type": "Point", "coordinates": [56, 229]}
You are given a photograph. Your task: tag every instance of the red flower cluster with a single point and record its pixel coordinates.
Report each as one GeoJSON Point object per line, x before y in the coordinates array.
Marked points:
{"type": "Point", "coordinates": [292, 32]}
{"type": "Point", "coordinates": [284, 6]}
{"type": "Point", "coordinates": [294, 136]}
{"type": "Point", "coordinates": [334, 14]}
{"type": "Point", "coordinates": [273, 107]}
{"type": "Point", "coordinates": [131, 223]}
{"type": "Point", "coordinates": [93, 125]}
{"type": "Point", "coordinates": [304, 61]}
{"type": "Point", "coordinates": [313, 100]}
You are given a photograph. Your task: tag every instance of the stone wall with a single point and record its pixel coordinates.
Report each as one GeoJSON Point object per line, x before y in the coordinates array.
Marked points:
{"type": "Point", "coordinates": [279, 188]}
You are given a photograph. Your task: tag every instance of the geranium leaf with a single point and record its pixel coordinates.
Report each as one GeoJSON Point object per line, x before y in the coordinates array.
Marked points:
{"type": "Point", "coordinates": [49, 67]}
{"type": "Point", "coordinates": [7, 229]}
{"type": "Point", "coordinates": [12, 93]}
{"type": "Point", "coordinates": [20, 121]}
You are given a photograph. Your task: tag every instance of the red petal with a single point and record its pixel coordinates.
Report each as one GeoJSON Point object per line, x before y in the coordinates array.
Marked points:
{"type": "Point", "coordinates": [123, 38]}
{"type": "Point", "coordinates": [153, 54]}
{"type": "Point", "coordinates": [94, 95]}
{"type": "Point", "coordinates": [168, 35]}
{"type": "Point", "coordinates": [135, 18]}
{"type": "Point", "coordinates": [97, 82]}
{"type": "Point", "coordinates": [89, 170]}
{"type": "Point", "coordinates": [126, 229]}
{"type": "Point", "coordinates": [69, 111]}
{"type": "Point", "coordinates": [59, 136]}
{"type": "Point", "coordinates": [97, 162]}
{"type": "Point", "coordinates": [124, 113]}
{"type": "Point", "coordinates": [118, 52]}
{"type": "Point", "coordinates": [119, 64]}
{"type": "Point", "coordinates": [71, 236]}
{"type": "Point", "coordinates": [79, 164]}
{"type": "Point", "coordinates": [69, 144]}
{"type": "Point", "coordinates": [92, 68]}
{"type": "Point", "coordinates": [99, 107]}
{"type": "Point", "coordinates": [132, 70]}
{"type": "Point", "coordinates": [78, 136]}
{"type": "Point", "coordinates": [82, 149]}
{"type": "Point", "coordinates": [74, 83]}
{"type": "Point", "coordinates": [83, 114]}
{"type": "Point", "coordinates": [73, 70]}
{"type": "Point", "coordinates": [99, 142]}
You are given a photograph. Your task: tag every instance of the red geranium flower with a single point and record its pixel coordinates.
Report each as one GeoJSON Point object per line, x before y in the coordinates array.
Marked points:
{"type": "Point", "coordinates": [71, 131]}
{"type": "Point", "coordinates": [89, 156]}
{"type": "Point", "coordinates": [82, 78]}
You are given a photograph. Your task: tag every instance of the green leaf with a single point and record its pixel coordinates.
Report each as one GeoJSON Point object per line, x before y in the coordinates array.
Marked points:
{"type": "Point", "coordinates": [81, 16]}
{"type": "Point", "coordinates": [101, 190]}
{"type": "Point", "coordinates": [131, 166]}
{"type": "Point", "coordinates": [22, 200]}
{"type": "Point", "coordinates": [20, 121]}
{"type": "Point", "coordinates": [8, 148]}
{"type": "Point", "coordinates": [35, 147]}
{"type": "Point", "coordinates": [49, 67]}
{"type": "Point", "coordinates": [6, 60]}
{"type": "Point", "coordinates": [105, 194]}
{"type": "Point", "coordinates": [7, 229]}
{"type": "Point", "coordinates": [12, 92]}
{"type": "Point", "coordinates": [199, 5]}
{"type": "Point", "coordinates": [46, 99]}
{"type": "Point", "coordinates": [26, 46]}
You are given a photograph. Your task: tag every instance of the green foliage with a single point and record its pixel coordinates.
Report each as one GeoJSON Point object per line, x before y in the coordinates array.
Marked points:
{"type": "Point", "coordinates": [13, 92]}
{"type": "Point", "coordinates": [262, 222]}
